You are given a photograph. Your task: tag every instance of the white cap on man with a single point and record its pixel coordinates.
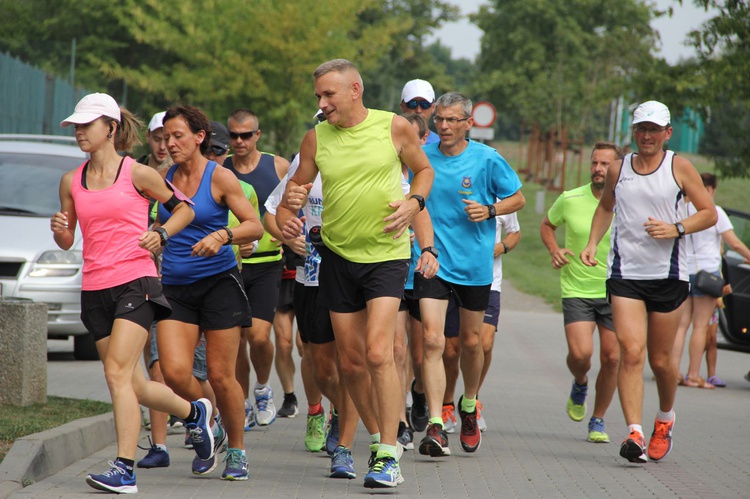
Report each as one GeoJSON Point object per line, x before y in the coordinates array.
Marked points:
{"type": "Point", "coordinates": [652, 112]}
{"type": "Point", "coordinates": [417, 88]}
{"type": "Point", "coordinates": [93, 107]}
{"type": "Point", "coordinates": [157, 121]}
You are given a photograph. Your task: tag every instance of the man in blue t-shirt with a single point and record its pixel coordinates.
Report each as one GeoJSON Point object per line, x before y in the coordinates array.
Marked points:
{"type": "Point", "coordinates": [473, 184]}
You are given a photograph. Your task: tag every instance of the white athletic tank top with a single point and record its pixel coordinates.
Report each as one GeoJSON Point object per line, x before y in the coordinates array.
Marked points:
{"type": "Point", "coordinates": [633, 253]}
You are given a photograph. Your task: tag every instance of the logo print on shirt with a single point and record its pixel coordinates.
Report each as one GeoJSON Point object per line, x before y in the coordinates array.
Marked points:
{"type": "Point", "coordinates": [129, 305]}
{"type": "Point", "coordinates": [466, 183]}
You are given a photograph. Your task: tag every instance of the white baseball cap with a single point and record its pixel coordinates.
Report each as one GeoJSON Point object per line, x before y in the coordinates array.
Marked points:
{"type": "Point", "coordinates": [417, 88]}
{"type": "Point", "coordinates": [652, 112]}
{"type": "Point", "coordinates": [157, 121]}
{"type": "Point", "coordinates": [93, 107]}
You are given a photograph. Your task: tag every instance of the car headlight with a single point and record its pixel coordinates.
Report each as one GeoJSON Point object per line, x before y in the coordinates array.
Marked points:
{"type": "Point", "coordinates": [57, 263]}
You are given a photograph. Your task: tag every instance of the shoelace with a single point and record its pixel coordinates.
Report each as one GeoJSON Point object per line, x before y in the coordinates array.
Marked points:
{"type": "Point", "coordinates": [448, 414]}
{"type": "Point", "coordinates": [470, 425]}
{"type": "Point", "coordinates": [380, 463]}
{"type": "Point", "coordinates": [150, 447]}
{"type": "Point", "coordinates": [341, 456]}
{"type": "Point", "coordinates": [114, 470]}
{"type": "Point", "coordinates": [262, 402]}
{"type": "Point", "coordinates": [661, 430]}
{"type": "Point", "coordinates": [313, 427]}
{"type": "Point", "coordinates": [233, 460]}
{"type": "Point", "coordinates": [197, 435]}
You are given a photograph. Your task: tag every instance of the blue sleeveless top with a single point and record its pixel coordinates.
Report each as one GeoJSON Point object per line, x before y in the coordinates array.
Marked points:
{"type": "Point", "coordinates": [263, 179]}
{"type": "Point", "coordinates": [178, 267]}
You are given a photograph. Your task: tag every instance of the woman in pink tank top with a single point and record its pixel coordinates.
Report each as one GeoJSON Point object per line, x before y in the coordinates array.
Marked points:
{"type": "Point", "coordinates": [121, 294]}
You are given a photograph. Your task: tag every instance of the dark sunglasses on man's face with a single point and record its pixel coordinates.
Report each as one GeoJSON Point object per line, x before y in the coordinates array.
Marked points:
{"type": "Point", "coordinates": [218, 151]}
{"type": "Point", "coordinates": [424, 104]}
{"type": "Point", "coordinates": [242, 135]}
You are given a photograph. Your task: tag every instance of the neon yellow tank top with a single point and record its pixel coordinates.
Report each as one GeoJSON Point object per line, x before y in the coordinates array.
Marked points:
{"type": "Point", "coordinates": [361, 174]}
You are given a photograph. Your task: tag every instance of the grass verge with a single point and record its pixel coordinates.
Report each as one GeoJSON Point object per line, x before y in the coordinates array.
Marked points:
{"type": "Point", "coordinates": [16, 422]}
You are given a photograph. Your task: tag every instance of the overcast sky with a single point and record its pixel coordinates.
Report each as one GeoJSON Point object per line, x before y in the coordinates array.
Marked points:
{"type": "Point", "coordinates": [462, 37]}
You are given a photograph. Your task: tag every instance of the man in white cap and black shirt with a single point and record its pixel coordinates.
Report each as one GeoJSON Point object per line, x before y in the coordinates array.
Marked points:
{"type": "Point", "coordinates": [158, 156]}
{"type": "Point", "coordinates": [419, 97]}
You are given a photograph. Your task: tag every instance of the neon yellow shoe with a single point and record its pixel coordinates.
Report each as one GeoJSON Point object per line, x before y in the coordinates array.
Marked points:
{"type": "Point", "coordinates": [576, 405]}
{"type": "Point", "coordinates": [315, 436]}
{"type": "Point", "coordinates": [596, 431]}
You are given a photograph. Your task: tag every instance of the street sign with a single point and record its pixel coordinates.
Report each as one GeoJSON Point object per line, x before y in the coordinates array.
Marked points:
{"type": "Point", "coordinates": [484, 114]}
{"type": "Point", "coordinates": [482, 133]}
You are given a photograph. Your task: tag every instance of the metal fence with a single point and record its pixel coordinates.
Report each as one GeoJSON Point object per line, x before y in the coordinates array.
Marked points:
{"type": "Point", "coordinates": [32, 101]}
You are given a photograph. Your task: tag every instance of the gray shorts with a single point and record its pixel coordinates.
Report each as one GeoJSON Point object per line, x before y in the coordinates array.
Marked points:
{"type": "Point", "coordinates": [199, 358]}
{"type": "Point", "coordinates": [596, 310]}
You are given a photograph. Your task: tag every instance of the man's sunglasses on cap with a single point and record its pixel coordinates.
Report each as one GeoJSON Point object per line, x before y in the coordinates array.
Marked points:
{"type": "Point", "coordinates": [414, 103]}
{"type": "Point", "coordinates": [218, 150]}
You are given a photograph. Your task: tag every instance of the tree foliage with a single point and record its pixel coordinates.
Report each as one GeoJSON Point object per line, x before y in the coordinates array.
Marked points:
{"type": "Point", "coordinates": [561, 63]}
{"type": "Point", "coordinates": [224, 54]}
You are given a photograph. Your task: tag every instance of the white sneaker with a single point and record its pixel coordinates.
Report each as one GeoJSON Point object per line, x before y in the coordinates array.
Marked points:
{"type": "Point", "coordinates": [265, 411]}
{"type": "Point", "coordinates": [481, 423]}
{"type": "Point", "coordinates": [249, 416]}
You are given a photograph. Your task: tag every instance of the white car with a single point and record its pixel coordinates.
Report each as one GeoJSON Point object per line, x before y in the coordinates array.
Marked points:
{"type": "Point", "coordinates": [32, 266]}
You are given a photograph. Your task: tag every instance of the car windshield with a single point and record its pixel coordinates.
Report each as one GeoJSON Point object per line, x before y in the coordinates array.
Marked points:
{"type": "Point", "coordinates": [29, 183]}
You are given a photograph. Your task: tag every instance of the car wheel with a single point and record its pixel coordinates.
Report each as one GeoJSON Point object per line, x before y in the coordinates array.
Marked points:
{"type": "Point", "coordinates": [84, 347]}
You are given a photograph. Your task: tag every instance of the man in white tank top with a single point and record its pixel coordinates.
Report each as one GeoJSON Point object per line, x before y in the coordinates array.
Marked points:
{"type": "Point", "coordinates": [647, 274]}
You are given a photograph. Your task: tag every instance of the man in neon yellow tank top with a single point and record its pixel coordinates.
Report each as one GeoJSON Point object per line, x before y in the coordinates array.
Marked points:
{"type": "Point", "coordinates": [358, 152]}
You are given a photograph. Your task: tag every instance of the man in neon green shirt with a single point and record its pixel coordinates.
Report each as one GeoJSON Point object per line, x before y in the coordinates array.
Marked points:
{"type": "Point", "coordinates": [358, 153]}
{"type": "Point", "coordinates": [584, 295]}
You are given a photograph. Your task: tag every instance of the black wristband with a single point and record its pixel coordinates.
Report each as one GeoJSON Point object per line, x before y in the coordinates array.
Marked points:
{"type": "Point", "coordinates": [419, 199]}
{"type": "Point", "coordinates": [162, 234]}
{"type": "Point", "coordinates": [507, 250]}
{"type": "Point", "coordinates": [430, 249]}
{"type": "Point", "coordinates": [491, 211]}
{"type": "Point", "coordinates": [229, 235]}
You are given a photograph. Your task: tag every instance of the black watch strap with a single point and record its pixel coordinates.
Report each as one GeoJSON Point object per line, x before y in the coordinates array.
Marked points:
{"type": "Point", "coordinates": [162, 234]}
{"type": "Point", "coordinates": [230, 236]}
{"type": "Point", "coordinates": [432, 250]}
{"type": "Point", "coordinates": [419, 199]}
{"type": "Point", "coordinates": [491, 210]}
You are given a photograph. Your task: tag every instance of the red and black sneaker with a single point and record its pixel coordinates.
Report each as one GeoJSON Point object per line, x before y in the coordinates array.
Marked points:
{"type": "Point", "coordinates": [435, 443]}
{"type": "Point", "coordinates": [471, 437]}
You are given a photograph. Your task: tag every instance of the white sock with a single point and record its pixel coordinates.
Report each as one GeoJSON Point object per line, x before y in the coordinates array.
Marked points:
{"type": "Point", "coordinates": [665, 416]}
{"type": "Point", "coordinates": [635, 427]}
{"type": "Point", "coordinates": [161, 447]}
{"type": "Point", "coordinates": [258, 386]}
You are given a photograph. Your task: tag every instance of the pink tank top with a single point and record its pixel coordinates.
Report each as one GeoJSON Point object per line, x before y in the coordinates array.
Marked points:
{"type": "Point", "coordinates": [112, 220]}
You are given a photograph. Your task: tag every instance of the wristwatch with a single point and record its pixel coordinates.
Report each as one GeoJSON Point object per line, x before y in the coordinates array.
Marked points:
{"type": "Point", "coordinates": [680, 230]}
{"type": "Point", "coordinates": [419, 199]}
{"type": "Point", "coordinates": [491, 210]}
{"type": "Point", "coordinates": [163, 235]}
{"type": "Point", "coordinates": [432, 250]}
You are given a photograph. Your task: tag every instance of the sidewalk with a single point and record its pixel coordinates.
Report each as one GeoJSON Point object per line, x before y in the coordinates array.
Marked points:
{"type": "Point", "coordinates": [531, 448]}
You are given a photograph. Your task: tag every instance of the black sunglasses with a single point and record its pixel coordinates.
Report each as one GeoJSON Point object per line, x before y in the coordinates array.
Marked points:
{"type": "Point", "coordinates": [242, 135]}
{"type": "Point", "coordinates": [424, 104]}
{"type": "Point", "coordinates": [218, 150]}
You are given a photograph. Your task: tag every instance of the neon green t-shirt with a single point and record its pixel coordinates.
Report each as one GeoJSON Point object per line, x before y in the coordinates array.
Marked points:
{"type": "Point", "coordinates": [575, 209]}
{"type": "Point", "coordinates": [234, 222]}
{"type": "Point", "coordinates": [361, 174]}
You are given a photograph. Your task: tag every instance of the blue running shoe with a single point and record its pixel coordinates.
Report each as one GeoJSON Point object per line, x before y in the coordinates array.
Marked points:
{"type": "Point", "coordinates": [342, 464]}
{"type": "Point", "coordinates": [201, 467]}
{"type": "Point", "coordinates": [116, 479]}
{"type": "Point", "coordinates": [249, 416]}
{"type": "Point", "coordinates": [236, 468]}
{"type": "Point", "coordinates": [332, 434]}
{"type": "Point", "coordinates": [156, 458]}
{"type": "Point", "coordinates": [265, 411]}
{"type": "Point", "coordinates": [384, 473]}
{"type": "Point", "coordinates": [200, 431]}
{"type": "Point", "coordinates": [221, 442]}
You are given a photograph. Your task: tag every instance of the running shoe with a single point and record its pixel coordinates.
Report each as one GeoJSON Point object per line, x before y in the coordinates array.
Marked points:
{"type": "Point", "coordinates": [155, 458]}
{"type": "Point", "coordinates": [188, 440]}
{"type": "Point", "coordinates": [481, 423]}
{"type": "Point", "coordinates": [449, 417]}
{"type": "Point", "coordinates": [342, 464]}
{"type": "Point", "coordinates": [332, 433]}
{"type": "Point", "coordinates": [116, 479]}
{"type": "Point", "coordinates": [576, 405]}
{"type": "Point", "coordinates": [315, 436]}
{"type": "Point", "coordinates": [236, 468]}
{"type": "Point", "coordinates": [384, 473]}
{"type": "Point", "coordinates": [420, 414]}
{"type": "Point", "coordinates": [249, 416]}
{"type": "Point", "coordinates": [204, 467]}
{"type": "Point", "coordinates": [373, 454]}
{"type": "Point", "coordinates": [221, 441]}
{"type": "Point", "coordinates": [470, 436]}
{"type": "Point", "coordinates": [175, 425]}
{"type": "Point", "coordinates": [661, 440]}
{"type": "Point", "coordinates": [289, 407]}
{"type": "Point", "coordinates": [265, 411]}
{"type": "Point", "coordinates": [200, 431]}
{"type": "Point", "coordinates": [596, 431]}
{"type": "Point", "coordinates": [435, 442]}
{"type": "Point", "coordinates": [634, 448]}
{"type": "Point", "coordinates": [405, 436]}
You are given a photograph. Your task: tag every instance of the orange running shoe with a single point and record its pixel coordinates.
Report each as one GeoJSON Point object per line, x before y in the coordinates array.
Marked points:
{"type": "Point", "coordinates": [634, 448]}
{"type": "Point", "coordinates": [449, 418]}
{"type": "Point", "coordinates": [661, 440]}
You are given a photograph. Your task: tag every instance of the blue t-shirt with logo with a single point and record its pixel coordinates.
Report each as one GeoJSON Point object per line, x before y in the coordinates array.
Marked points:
{"type": "Point", "coordinates": [480, 174]}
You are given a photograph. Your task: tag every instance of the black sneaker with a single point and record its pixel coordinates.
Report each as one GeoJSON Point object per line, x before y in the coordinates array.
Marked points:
{"type": "Point", "coordinates": [420, 415]}
{"type": "Point", "coordinates": [435, 443]}
{"type": "Point", "coordinates": [405, 436]}
{"type": "Point", "coordinates": [289, 407]}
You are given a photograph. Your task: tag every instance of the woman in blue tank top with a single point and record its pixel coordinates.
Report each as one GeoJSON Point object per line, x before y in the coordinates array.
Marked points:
{"type": "Point", "coordinates": [202, 282]}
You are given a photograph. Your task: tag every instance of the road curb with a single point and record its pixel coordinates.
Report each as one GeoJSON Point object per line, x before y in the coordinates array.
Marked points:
{"type": "Point", "coordinates": [36, 457]}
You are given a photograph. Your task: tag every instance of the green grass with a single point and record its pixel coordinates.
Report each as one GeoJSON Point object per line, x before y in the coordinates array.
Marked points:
{"type": "Point", "coordinates": [16, 422]}
{"type": "Point", "coordinates": [529, 266]}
